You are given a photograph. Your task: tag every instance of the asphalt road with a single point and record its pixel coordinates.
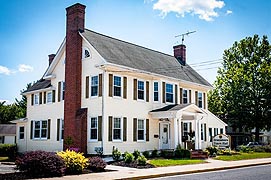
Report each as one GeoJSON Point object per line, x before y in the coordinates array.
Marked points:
{"type": "Point", "coordinates": [249, 173]}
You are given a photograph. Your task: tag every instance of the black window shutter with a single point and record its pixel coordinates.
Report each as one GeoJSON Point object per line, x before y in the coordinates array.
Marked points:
{"type": "Point", "coordinates": [31, 130]}
{"type": "Point", "coordinates": [110, 94]}
{"type": "Point", "coordinates": [59, 91]}
{"type": "Point", "coordinates": [100, 119]}
{"type": "Point", "coordinates": [40, 98]}
{"type": "Point", "coordinates": [124, 128]}
{"type": "Point", "coordinates": [32, 99]}
{"type": "Point", "coordinates": [147, 91]}
{"type": "Point", "coordinates": [87, 87]}
{"type": "Point", "coordinates": [147, 129]}
{"type": "Point", "coordinates": [135, 89]}
{"type": "Point", "coordinates": [110, 118]}
{"type": "Point", "coordinates": [54, 96]}
{"type": "Point", "coordinates": [135, 129]}
{"type": "Point", "coordinates": [125, 87]}
{"type": "Point", "coordinates": [44, 97]}
{"type": "Point", "coordinates": [100, 91]}
{"type": "Point", "coordinates": [58, 130]}
{"type": "Point", "coordinates": [48, 128]}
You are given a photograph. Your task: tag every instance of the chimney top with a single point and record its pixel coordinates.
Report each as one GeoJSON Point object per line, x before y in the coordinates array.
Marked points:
{"type": "Point", "coordinates": [180, 53]}
{"type": "Point", "coordinates": [51, 58]}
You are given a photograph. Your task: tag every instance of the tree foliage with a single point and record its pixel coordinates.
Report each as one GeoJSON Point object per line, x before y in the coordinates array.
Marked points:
{"type": "Point", "coordinates": [9, 112]}
{"type": "Point", "coordinates": [242, 90]}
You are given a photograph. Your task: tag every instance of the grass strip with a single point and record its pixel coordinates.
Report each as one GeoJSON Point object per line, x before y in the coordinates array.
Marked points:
{"type": "Point", "coordinates": [175, 162]}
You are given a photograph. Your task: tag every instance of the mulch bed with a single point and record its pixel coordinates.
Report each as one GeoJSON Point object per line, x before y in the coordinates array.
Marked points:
{"type": "Point", "coordinates": [133, 165]}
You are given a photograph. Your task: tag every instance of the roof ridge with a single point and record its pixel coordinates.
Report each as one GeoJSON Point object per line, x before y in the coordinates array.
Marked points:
{"type": "Point", "coordinates": [129, 43]}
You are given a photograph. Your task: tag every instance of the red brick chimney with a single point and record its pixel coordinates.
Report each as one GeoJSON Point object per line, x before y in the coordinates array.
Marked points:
{"type": "Point", "coordinates": [51, 58]}
{"type": "Point", "coordinates": [75, 118]}
{"type": "Point", "coordinates": [180, 53]}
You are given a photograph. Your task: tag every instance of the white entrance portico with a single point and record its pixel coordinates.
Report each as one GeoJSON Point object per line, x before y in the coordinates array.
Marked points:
{"type": "Point", "coordinates": [178, 123]}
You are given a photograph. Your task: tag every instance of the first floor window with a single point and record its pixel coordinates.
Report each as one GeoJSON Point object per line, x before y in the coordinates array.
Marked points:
{"type": "Point", "coordinates": [215, 131]}
{"type": "Point", "coordinates": [169, 93]}
{"type": "Point", "coordinates": [94, 86]}
{"type": "Point", "coordinates": [140, 129]}
{"type": "Point", "coordinates": [49, 97]}
{"type": "Point", "coordinates": [200, 100]}
{"type": "Point", "coordinates": [140, 90]}
{"type": "Point", "coordinates": [117, 129]}
{"type": "Point", "coordinates": [40, 129]}
{"type": "Point", "coordinates": [36, 98]}
{"type": "Point", "coordinates": [2, 139]}
{"type": "Point", "coordinates": [155, 91]}
{"type": "Point", "coordinates": [221, 130]}
{"type": "Point", "coordinates": [21, 132]}
{"type": "Point", "coordinates": [117, 86]}
{"type": "Point", "coordinates": [185, 96]}
{"type": "Point", "coordinates": [93, 128]}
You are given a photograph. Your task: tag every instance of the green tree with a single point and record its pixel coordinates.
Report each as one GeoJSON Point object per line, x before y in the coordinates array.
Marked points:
{"type": "Point", "coordinates": [242, 90]}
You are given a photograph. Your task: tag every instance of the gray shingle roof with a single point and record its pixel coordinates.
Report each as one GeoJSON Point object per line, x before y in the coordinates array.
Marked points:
{"type": "Point", "coordinates": [41, 84]}
{"type": "Point", "coordinates": [130, 55]}
{"type": "Point", "coordinates": [7, 129]}
{"type": "Point", "coordinates": [173, 107]}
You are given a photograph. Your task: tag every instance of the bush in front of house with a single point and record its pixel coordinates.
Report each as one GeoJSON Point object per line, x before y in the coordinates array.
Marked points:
{"type": "Point", "coordinates": [116, 154]}
{"type": "Point", "coordinates": [146, 154]}
{"type": "Point", "coordinates": [136, 154]}
{"type": "Point", "coordinates": [141, 160]}
{"type": "Point", "coordinates": [181, 153]}
{"type": "Point", "coordinates": [129, 157]}
{"type": "Point", "coordinates": [41, 164]}
{"type": "Point", "coordinates": [75, 162]}
{"type": "Point", "coordinates": [212, 150]}
{"type": "Point", "coordinates": [96, 164]}
{"type": "Point", "coordinates": [154, 153]}
{"type": "Point", "coordinates": [9, 150]}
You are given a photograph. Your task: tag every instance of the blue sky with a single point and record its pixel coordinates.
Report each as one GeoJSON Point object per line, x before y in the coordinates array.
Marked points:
{"type": "Point", "coordinates": [31, 29]}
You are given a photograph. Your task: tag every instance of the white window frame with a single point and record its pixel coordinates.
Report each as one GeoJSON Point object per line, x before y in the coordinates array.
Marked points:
{"type": "Point", "coordinates": [47, 97]}
{"type": "Point", "coordinates": [144, 90]}
{"type": "Point", "coordinates": [84, 53]}
{"type": "Point", "coordinates": [94, 85]}
{"type": "Point", "coordinates": [90, 128]}
{"type": "Point", "coordinates": [40, 129]}
{"type": "Point", "coordinates": [121, 130]}
{"type": "Point", "coordinates": [121, 86]}
{"type": "Point", "coordinates": [169, 93]}
{"type": "Point", "coordinates": [156, 91]}
{"type": "Point", "coordinates": [187, 98]}
{"type": "Point", "coordinates": [36, 99]}
{"type": "Point", "coordinates": [202, 100]}
{"type": "Point", "coordinates": [19, 129]}
{"type": "Point", "coordinates": [215, 131]}
{"type": "Point", "coordinates": [144, 130]}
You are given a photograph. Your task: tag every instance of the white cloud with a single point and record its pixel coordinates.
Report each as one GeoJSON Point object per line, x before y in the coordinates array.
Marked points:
{"type": "Point", "coordinates": [228, 12]}
{"type": "Point", "coordinates": [205, 9]}
{"type": "Point", "coordinates": [25, 68]}
{"type": "Point", "coordinates": [5, 70]}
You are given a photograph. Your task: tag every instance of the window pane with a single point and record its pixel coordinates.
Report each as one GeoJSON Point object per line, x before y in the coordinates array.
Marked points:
{"type": "Point", "coordinates": [49, 97]}
{"type": "Point", "coordinates": [169, 97]}
{"type": "Point", "coordinates": [140, 124]}
{"type": "Point", "coordinates": [93, 134]}
{"type": "Point", "coordinates": [155, 96]}
{"type": "Point", "coordinates": [140, 135]}
{"type": "Point", "coordinates": [140, 94]}
{"type": "Point", "coordinates": [140, 85]}
{"type": "Point", "coordinates": [93, 122]}
{"type": "Point", "coordinates": [117, 91]}
{"type": "Point", "coordinates": [116, 122]}
{"type": "Point", "coordinates": [117, 81]}
{"type": "Point", "coordinates": [117, 134]}
{"type": "Point", "coordinates": [155, 86]}
{"type": "Point", "coordinates": [43, 133]}
{"type": "Point", "coordinates": [169, 88]}
{"type": "Point", "coordinates": [21, 132]}
{"type": "Point", "coordinates": [37, 133]}
{"type": "Point", "coordinates": [36, 99]}
{"type": "Point", "coordinates": [185, 96]}
{"type": "Point", "coordinates": [117, 86]}
{"type": "Point", "coordinates": [44, 124]}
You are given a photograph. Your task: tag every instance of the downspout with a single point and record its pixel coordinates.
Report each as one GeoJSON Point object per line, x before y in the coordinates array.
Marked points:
{"type": "Point", "coordinates": [103, 110]}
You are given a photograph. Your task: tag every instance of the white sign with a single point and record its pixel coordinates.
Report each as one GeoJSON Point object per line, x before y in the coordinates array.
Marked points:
{"type": "Point", "coordinates": [221, 140]}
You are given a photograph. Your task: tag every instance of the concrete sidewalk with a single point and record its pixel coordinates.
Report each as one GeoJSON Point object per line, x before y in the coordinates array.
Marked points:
{"type": "Point", "coordinates": [132, 173]}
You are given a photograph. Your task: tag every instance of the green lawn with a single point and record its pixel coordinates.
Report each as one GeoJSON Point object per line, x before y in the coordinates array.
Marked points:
{"type": "Point", "coordinates": [3, 158]}
{"type": "Point", "coordinates": [243, 156]}
{"type": "Point", "coordinates": [174, 162]}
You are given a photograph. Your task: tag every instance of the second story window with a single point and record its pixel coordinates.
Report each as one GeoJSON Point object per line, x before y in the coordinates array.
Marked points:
{"type": "Point", "coordinates": [140, 90]}
{"type": "Point", "coordinates": [155, 91]}
{"type": "Point", "coordinates": [94, 86]}
{"type": "Point", "coordinates": [36, 99]}
{"type": "Point", "coordinates": [185, 96]}
{"type": "Point", "coordinates": [49, 97]}
{"type": "Point", "coordinates": [169, 93]}
{"type": "Point", "coordinates": [117, 86]}
{"type": "Point", "coordinates": [63, 90]}
{"type": "Point", "coordinates": [200, 100]}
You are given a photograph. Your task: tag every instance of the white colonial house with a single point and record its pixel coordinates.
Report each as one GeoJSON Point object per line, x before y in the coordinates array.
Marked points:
{"type": "Point", "coordinates": [99, 92]}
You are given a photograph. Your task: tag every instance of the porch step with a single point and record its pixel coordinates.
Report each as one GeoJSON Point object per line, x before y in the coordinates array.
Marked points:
{"type": "Point", "coordinates": [198, 154]}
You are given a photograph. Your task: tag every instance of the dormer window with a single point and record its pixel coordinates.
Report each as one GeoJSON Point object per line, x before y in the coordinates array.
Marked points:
{"type": "Point", "coordinates": [86, 53]}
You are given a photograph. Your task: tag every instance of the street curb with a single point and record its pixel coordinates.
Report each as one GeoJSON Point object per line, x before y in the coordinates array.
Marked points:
{"type": "Point", "coordinates": [191, 172]}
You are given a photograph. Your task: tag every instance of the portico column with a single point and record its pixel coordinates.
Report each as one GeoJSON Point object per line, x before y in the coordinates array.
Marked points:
{"type": "Point", "coordinates": [196, 133]}
{"type": "Point", "coordinates": [180, 129]}
{"type": "Point", "coordinates": [199, 125]}
{"type": "Point", "coordinates": [175, 133]}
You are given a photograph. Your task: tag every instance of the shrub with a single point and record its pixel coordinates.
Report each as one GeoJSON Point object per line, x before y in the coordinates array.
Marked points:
{"type": "Point", "coordinates": [181, 153]}
{"type": "Point", "coordinates": [212, 150]}
{"type": "Point", "coordinates": [136, 154]}
{"type": "Point", "coordinates": [129, 157]}
{"type": "Point", "coordinates": [41, 164]}
{"type": "Point", "coordinates": [116, 154]}
{"type": "Point", "coordinates": [96, 164]}
{"type": "Point", "coordinates": [146, 154]}
{"type": "Point", "coordinates": [9, 150]}
{"type": "Point", "coordinates": [245, 149]}
{"type": "Point", "coordinates": [141, 160]}
{"type": "Point", "coordinates": [167, 153]}
{"type": "Point", "coordinates": [154, 153]}
{"type": "Point", "coordinates": [74, 162]}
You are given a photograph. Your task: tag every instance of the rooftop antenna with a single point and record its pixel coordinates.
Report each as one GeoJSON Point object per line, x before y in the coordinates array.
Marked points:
{"type": "Point", "coordinates": [185, 34]}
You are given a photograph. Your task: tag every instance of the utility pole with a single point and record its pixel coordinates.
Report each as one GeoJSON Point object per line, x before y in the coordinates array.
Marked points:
{"type": "Point", "coordinates": [185, 34]}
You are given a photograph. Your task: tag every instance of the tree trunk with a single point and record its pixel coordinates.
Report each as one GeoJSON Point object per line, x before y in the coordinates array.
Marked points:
{"type": "Point", "coordinates": [257, 134]}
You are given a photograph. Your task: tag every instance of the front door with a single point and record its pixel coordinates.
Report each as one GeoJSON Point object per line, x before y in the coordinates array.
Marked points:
{"type": "Point", "coordinates": [164, 134]}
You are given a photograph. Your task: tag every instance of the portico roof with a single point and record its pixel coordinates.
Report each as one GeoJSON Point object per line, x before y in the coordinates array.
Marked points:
{"type": "Point", "coordinates": [175, 110]}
